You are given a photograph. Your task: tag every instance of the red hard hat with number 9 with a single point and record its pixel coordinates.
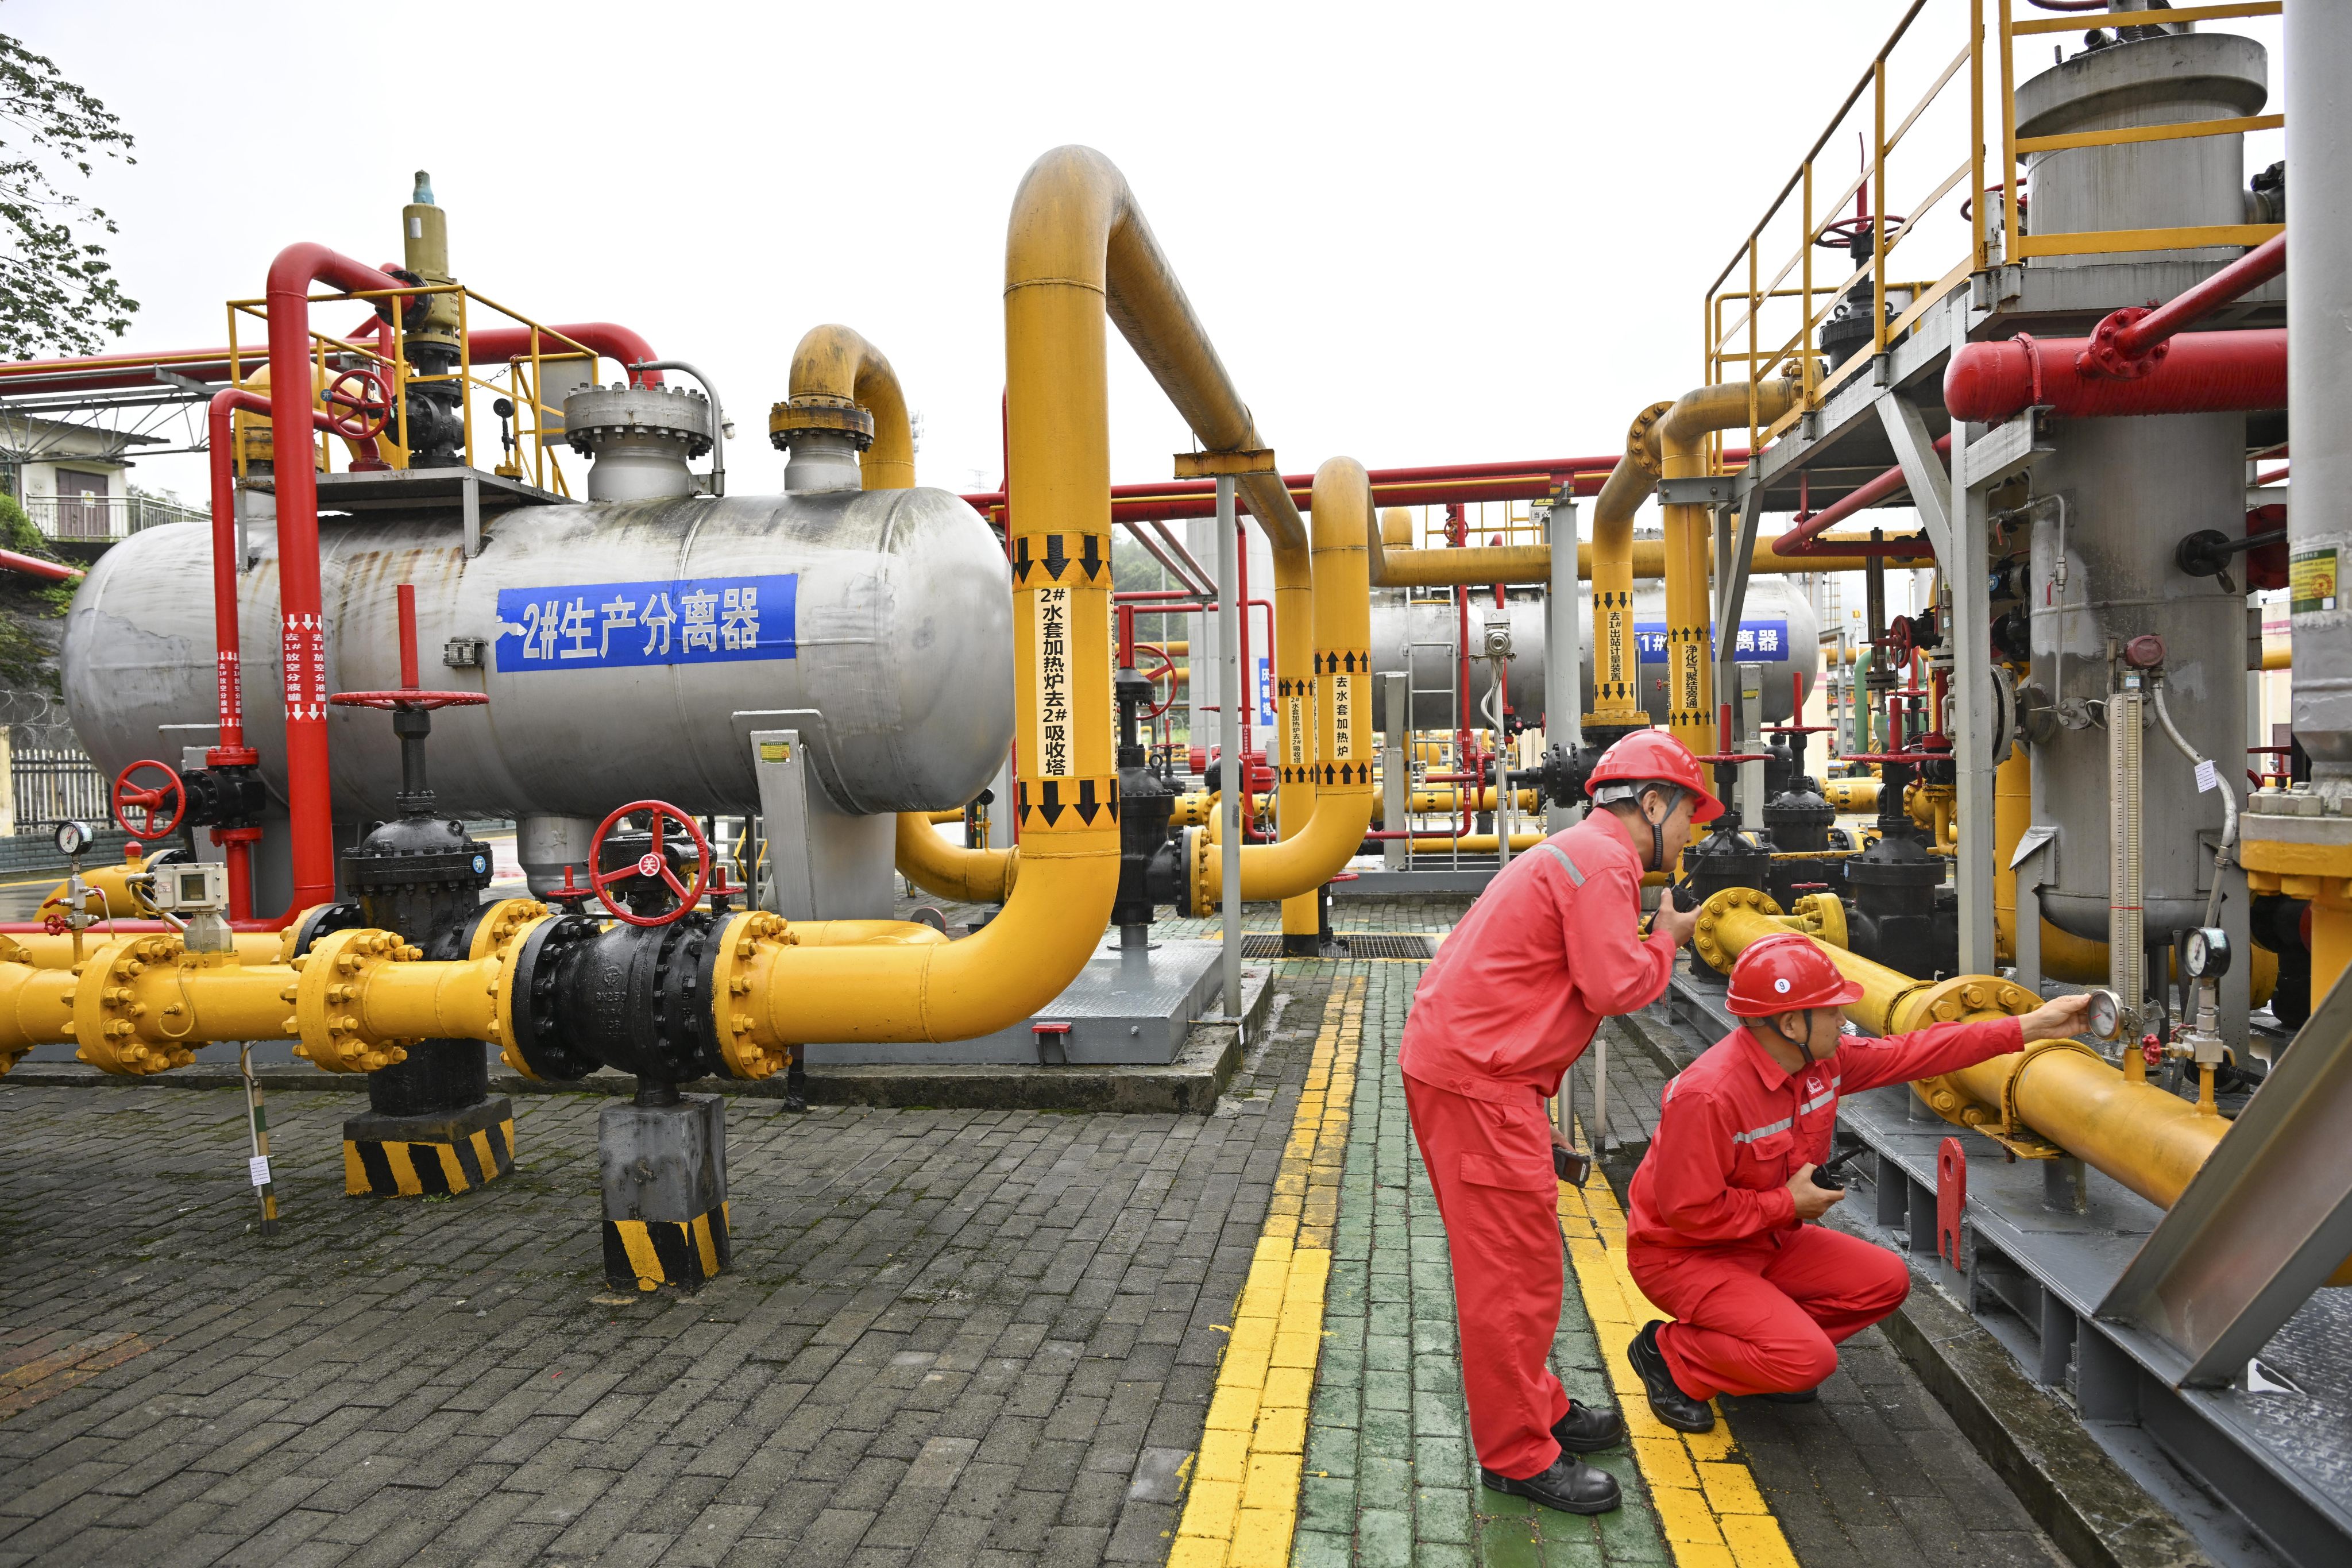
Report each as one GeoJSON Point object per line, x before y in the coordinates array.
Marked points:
{"type": "Point", "coordinates": [1647, 754]}
{"type": "Point", "coordinates": [1785, 973]}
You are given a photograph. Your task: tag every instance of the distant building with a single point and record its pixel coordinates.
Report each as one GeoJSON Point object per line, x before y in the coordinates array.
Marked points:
{"type": "Point", "coordinates": [73, 480]}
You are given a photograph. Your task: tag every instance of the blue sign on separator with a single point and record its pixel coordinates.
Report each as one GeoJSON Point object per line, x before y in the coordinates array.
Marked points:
{"type": "Point", "coordinates": [1758, 639]}
{"type": "Point", "coordinates": [612, 626]}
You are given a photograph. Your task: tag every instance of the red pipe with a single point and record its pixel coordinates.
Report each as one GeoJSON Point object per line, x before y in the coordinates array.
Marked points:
{"type": "Point", "coordinates": [303, 638]}
{"type": "Point", "coordinates": [2202, 373]}
{"type": "Point", "coordinates": [2132, 342]}
{"type": "Point", "coordinates": [609, 339]}
{"type": "Point", "coordinates": [34, 566]}
{"type": "Point", "coordinates": [1459, 482]}
{"type": "Point", "coordinates": [1870, 492]}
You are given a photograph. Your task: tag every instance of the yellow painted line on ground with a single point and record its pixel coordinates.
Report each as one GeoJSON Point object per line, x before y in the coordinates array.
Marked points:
{"type": "Point", "coordinates": [1243, 1508]}
{"type": "Point", "coordinates": [1708, 1506]}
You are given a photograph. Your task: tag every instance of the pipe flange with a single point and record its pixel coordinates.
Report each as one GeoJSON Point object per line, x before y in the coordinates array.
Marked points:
{"type": "Point", "coordinates": [816, 413]}
{"type": "Point", "coordinates": [498, 924]}
{"type": "Point", "coordinates": [529, 1040]}
{"type": "Point", "coordinates": [1196, 849]}
{"type": "Point", "coordinates": [1962, 997]}
{"type": "Point", "coordinates": [595, 414]}
{"type": "Point", "coordinates": [111, 1025]}
{"type": "Point", "coordinates": [333, 975]}
{"type": "Point", "coordinates": [736, 963]}
{"type": "Point", "coordinates": [1702, 938]}
{"type": "Point", "coordinates": [1826, 911]}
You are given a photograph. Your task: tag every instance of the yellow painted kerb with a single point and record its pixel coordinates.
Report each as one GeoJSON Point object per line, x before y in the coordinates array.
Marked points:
{"type": "Point", "coordinates": [1243, 1508]}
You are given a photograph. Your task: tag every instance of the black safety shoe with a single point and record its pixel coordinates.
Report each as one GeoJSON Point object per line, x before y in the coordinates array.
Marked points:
{"type": "Point", "coordinates": [1585, 1430]}
{"type": "Point", "coordinates": [1572, 1486]}
{"type": "Point", "coordinates": [1794, 1395]}
{"type": "Point", "coordinates": [1668, 1403]}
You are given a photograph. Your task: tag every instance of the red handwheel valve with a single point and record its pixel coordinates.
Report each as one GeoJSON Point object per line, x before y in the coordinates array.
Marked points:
{"type": "Point", "coordinates": [653, 864]}
{"type": "Point", "coordinates": [128, 797]}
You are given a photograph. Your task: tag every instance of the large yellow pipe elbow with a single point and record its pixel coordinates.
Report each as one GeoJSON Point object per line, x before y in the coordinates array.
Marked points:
{"type": "Point", "coordinates": [835, 367]}
{"type": "Point", "coordinates": [1682, 435]}
{"type": "Point", "coordinates": [1341, 504]}
{"type": "Point", "coordinates": [1617, 701]}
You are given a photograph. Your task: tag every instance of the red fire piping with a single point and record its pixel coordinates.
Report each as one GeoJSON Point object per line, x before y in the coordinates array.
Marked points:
{"type": "Point", "coordinates": [609, 339]}
{"type": "Point", "coordinates": [34, 566]}
{"type": "Point", "coordinates": [303, 638]}
{"type": "Point", "coordinates": [2132, 342]}
{"type": "Point", "coordinates": [2202, 373]}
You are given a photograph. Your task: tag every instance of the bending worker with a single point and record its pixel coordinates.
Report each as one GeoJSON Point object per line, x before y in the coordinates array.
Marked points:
{"type": "Point", "coordinates": [1550, 948]}
{"type": "Point", "coordinates": [1716, 1233]}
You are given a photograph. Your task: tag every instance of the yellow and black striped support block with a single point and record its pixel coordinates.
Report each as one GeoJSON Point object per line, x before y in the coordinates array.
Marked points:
{"type": "Point", "coordinates": [428, 1156]}
{"type": "Point", "coordinates": [647, 1253]}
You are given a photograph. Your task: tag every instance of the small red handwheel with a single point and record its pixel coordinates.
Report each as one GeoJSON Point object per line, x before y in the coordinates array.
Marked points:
{"type": "Point", "coordinates": [358, 404]}
{"type": "Point", "coordinates": [128, 797]}
{"type": "Point", "coordinates": [1167, 669]}
{"type": "Point", "coordinates": [652, 863]}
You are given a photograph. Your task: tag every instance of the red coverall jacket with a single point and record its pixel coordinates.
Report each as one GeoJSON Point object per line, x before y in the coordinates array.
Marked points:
{"type": "Point", "coordinates": [1515, 993]}
{"type": "Point", "coordinates": [1712, 1234]}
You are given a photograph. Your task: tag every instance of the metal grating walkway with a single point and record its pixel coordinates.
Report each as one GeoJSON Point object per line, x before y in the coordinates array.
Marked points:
{"type": "Point", "coordinates": [1360, 945]}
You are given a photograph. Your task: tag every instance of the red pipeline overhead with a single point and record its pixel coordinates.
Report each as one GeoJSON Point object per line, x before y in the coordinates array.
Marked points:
{"type": "Point", "coordinates": [2200, 373]}
{"type": "Point", "coordinates": [34, 566]}
{"type": "Point", "coordinates": [2132, 342]}
{"type": "Point", "coordinates": [1531, 480]}
{"type": "Point", "coordinates": [1799, 540]}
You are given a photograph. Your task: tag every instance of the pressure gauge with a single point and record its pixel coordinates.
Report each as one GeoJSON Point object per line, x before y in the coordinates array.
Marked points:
{"type": "Point", "coordinates": [73, 838]}
{"type": "Point", "coordinates": [2206, 954]}
{"type": "Point", "coordinates": [2106, 1016]}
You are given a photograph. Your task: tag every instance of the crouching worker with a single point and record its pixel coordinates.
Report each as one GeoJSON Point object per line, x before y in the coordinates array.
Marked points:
{"type": "Point", "coordinates": [1716, 1233]}
{"type": "Point", "coordinates": [1548, 949]}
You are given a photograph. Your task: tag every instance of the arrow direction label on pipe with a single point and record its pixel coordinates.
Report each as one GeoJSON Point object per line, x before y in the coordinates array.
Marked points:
{"type": "Point", "coordinates": [1056, 747]}
{"type": "Point", "coordinates": [617, 625]}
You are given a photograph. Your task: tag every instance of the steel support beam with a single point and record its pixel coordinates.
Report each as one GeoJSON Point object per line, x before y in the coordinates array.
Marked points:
{"type": "Point", "coordinates": [1563, 721]}
{"type": "Point", "coordinates": [1735, 549]}
{"type": "Point", "coordinates": [2263, 1224]}
{"type": "Point", "coordinates": [1229, 664]}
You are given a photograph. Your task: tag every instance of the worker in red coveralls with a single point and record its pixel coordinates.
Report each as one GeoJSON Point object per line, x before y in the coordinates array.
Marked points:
{"type": "Point", "coordinates": [1551, 948]}
{"type": "Point", "coordinates": [1717, 1234]}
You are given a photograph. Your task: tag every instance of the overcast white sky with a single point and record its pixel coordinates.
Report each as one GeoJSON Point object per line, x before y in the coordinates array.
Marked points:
{"type": "Point", "coordinates": [1418, 234]}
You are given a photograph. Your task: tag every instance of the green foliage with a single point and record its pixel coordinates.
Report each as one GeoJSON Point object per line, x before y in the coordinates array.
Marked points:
{"type": "Point", "coordinates": [58, 291]}
{"type": "Point", "coordinates": [30, 608]}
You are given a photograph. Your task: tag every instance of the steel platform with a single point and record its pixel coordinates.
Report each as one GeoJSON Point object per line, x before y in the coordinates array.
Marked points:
{"type": "Point", "coordinates": [2260, 1475]}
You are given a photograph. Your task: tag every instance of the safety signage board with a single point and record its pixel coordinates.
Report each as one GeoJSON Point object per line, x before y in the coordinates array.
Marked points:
{"type": "Point", "coordinates": [1758, 639]}
{"type": "Point", "coordinates": [610, 625]}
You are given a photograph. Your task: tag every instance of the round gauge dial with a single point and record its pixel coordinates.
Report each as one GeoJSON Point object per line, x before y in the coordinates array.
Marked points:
{"type": "Point", "coordinates": [2206, 953]}
{"type": "Point", "coordinates": [2106, 1016]}
{"type": "Point", "coordinates": [73, 838]}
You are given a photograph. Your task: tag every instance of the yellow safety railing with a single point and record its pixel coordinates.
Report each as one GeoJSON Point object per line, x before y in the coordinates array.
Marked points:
{"type": "Point", "coordinates": [520, 379]}
{"type": "Point", "coordinates": [1737, 344]}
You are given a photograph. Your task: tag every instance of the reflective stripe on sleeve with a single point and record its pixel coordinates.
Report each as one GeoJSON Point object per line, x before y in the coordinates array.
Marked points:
{"type": "Point", "coordinates": [1575, 876]}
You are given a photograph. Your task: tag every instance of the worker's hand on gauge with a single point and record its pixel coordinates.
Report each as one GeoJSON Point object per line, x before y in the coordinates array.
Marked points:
{"type": "Point", "coordinates": [1812, 1202]}
{"type": "Point", "coordinates": [2057, 1019]}
{"type": "Point", "coordinates": [1679, 922]}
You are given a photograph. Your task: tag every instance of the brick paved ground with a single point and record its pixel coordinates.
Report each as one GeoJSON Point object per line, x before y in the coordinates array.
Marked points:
{"type": "Point", "coordinates": [948, 1337]}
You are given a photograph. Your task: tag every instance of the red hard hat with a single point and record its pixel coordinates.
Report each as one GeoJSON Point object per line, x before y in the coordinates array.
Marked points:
{"type": "Point", "coordinates": [1785, 973]}
{"type": "Point", "coordinates": [1652, 755]}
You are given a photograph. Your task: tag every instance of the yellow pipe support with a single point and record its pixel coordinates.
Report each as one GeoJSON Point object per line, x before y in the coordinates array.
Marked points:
{"type": "Point", "coordinates": [835, 367]}
{"type": "Point", "coordinates": [952, 870]}
{"type": "Point", "coordinates": [1341, 504]}
{"type": "Point", "coordinates": [1682, 454]}
{"type": "Point", "coordinates": [2053, 1092]}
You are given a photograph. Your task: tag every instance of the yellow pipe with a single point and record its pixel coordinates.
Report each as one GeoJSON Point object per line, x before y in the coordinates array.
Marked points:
{"type": "Point", "coordinates": [1468, 843]}
{"type": "Point", "coordinates": [2133, 1131]}
{"type": "Point", "coordinates": [43, 951]}
{"type": "Point", "coordinates": [835, 367]}
{"type": "Point", "coordinates": [1682, 435]}
{"type": "Point", "coordinates": [1323, 844]}
{"type": "Point", "coordinates": [1298, 679]}
{"type": "Point", "coordinates": [36, 1009]}
{"type": "Point", "coordinates": [1441, 799]}
{"type": "Point", "coordinates": [1852, 794]}
{"type": "Point", "coordinates": [952, 870]}
{"type": "Point", "coordinates": [1196, 809]}
{"type": "Point", "coordinates": [1077, 247]}
{"type": "Point", "coordinates": [1616, 669]}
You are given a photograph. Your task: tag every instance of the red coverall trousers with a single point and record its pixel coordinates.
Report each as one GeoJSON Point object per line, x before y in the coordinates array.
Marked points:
{"type": "Point", "coordinates": [1490, 1163]}
{"type": "Point", "coordinates": [1767, 1314]}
